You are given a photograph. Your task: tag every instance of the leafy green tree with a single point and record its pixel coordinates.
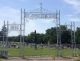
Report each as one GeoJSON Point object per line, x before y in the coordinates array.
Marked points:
{"type": "Point", "coordinates": [65, 34]}
{"type": "Point", "coordinates": [51, 35]}
{"type": "Point", "coordinates": [66, 37]}
{"type": "Point", "coordinates": [31, 37]}
{"type": "Point", "coordinates": [1, 36]}
{"type": "Point", "coordinates": [78, 35]}
{"type": "Point", "coordinates": [3, 33]}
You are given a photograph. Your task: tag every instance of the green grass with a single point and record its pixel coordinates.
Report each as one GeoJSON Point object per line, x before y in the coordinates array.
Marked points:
{"type": "Point", "coordinates": [30, 51]}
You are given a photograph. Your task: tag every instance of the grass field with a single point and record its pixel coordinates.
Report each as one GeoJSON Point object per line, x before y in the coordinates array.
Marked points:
{"type": "Point", "coordinates": [30, 51]}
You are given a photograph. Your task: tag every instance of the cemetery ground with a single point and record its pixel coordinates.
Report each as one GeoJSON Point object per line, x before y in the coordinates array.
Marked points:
{"type": "Point", "coordinates": [31, 51]}
{"type": "Point", "coordinates": [41, 54]}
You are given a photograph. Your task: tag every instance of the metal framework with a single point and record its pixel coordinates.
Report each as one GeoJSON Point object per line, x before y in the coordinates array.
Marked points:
{"type": "Point", "coordinates": [40, 13]}
{"type": "Point", "coordinates": [36, 14]}
{"type": "Point", "coordinates": [72, 31]}
{"type": "Point", "coordinates": [3, 36]}
{"type": "Point", "coordinates": [46, 14]}
{"type": "Point", "coordinates": [73, 42]}
{"type": "Point", "coordinates": [15, 27]}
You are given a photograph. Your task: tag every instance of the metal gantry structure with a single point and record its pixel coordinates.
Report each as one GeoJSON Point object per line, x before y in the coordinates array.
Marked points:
{"type": "Point", "coordinates": [72, 33]}
{"type": "Point", "coordinates": [46, 14]}
{"type": "Point", "coordinates": [36, 14]}
{"type": "Point", "coordinates": [3, 36]}
{"type": "Point", "coordinates": [14, 27]}
{"type": "Point", "coordinates": [73, 42]}
{"type": "Point", "coordinates": [40, 13]}
{"type": "Point", "coordinates": [58, 31]}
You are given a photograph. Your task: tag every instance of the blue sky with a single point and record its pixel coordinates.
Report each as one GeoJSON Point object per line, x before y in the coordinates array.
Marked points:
{"type": "Point", "coordinates": [10, 10]}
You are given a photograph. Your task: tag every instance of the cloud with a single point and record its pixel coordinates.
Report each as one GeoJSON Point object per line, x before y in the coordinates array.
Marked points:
{"type": "Point", "coordinates": [75, 5]}
{"type": "Point", "coordinates": [73, 2]}
{"type": "Point", "coordinates": [40, 25]}
{"type": "Point", "coordinates": [9, 14]}
{"type": "Point", "coordinates": [72, 18]}
{"type": "Point", "coordinates": [13, 16]}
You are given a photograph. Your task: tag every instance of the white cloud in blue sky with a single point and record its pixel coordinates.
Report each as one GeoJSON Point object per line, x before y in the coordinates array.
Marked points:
{"type": "Point", "coordinates": [75, 5]}
{"type": "Point", "coordinates": [10, 10]}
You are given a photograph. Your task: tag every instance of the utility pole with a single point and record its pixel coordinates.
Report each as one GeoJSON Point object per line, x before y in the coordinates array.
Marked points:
{"type": "Point", "coordinates": [58, 31]}
{"type": "Point", "coordinates": [35, 40]}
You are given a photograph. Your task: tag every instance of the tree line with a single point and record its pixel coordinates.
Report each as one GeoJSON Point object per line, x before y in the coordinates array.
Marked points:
{"type": "Point", "coordinates": [50, 36]}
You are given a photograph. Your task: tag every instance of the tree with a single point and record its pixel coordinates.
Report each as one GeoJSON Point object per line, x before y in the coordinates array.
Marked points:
{"type": "Point", "coordinates": [3, 33]}
{"type": "Point", "coordinates": [51, 35]}
{"type": "Point", "coordinates": [78, 35]}
{"type": "Point", "coordinates": [66, 37]}
{"type": "Point", "coordinates": [1, 36]}
{"type": "Point", "coordinates": [65, 34]}
{"type": "Point", "coordinates": [31, 38]}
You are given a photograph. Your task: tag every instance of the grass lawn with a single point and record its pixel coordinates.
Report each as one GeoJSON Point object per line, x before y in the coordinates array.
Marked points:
{"type": "Point", "coordinates": [30, 51]}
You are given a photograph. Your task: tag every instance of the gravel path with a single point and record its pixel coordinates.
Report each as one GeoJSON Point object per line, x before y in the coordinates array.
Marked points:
{"type": "Point", "coordinates": [37, 59]}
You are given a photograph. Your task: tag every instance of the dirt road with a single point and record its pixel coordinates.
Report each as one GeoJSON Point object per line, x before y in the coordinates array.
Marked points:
{"type": "Point", "coordinates": [37, 59]}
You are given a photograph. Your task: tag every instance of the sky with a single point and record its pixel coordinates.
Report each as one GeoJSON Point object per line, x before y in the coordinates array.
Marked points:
{"type": "Point", "coordinates": [10, 11]}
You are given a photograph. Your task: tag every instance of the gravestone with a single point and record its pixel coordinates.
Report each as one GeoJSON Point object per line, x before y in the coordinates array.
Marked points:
{"type": "Point", "coordinates": [4, 54]}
